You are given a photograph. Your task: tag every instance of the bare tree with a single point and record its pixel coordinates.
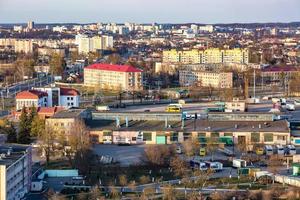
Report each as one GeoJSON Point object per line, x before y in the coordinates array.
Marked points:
{"type": "Point", "coordinates": [190, 146]}
{"type": "Point", "coordinates": [47, 140]}
{"type": "Point", "coordinates": [179, 166]}
{"type": "Point", "coordinates": [157, 154]}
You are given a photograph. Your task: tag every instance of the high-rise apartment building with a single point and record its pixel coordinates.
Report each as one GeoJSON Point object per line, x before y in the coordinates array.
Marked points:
{"type": "Point", "coordinates": [88, 44]}
{"type": "Point", "coordinates": [15, 171]}
{"type": "Point", "coordinates": [212, 55]}
{"type": "Point", "coordinates": [30, 25]}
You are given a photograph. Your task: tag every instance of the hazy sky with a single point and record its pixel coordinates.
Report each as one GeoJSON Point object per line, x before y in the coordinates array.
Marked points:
{"type": "Point", "coordinates": [148, 11]}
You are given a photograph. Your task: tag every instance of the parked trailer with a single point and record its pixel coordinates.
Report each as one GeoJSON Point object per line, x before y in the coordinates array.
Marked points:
{"type": "Point", "coordinates": [290, 150]}
{"type": "Point", "coordinates": [238, 163]}
{"type": "Point", "coordinates": [279, 150]}
{"type": "Point", "coordinates": [269, 150]}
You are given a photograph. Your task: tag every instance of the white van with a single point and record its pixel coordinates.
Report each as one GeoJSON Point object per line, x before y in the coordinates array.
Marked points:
{"type": "Point", "coordinates": [102, 108]}
{"type": "Point", "coordinates": [279, 149]}
{"type": "Point", "coordinates": [291, 150]}
{"type": "Point", "coordinates": [269, 150]}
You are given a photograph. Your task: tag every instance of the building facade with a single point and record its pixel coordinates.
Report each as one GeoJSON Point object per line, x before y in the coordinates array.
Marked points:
{"type": "Point", "coordinates": [115, 77]}
{"type": "Point", "coordinates": [31, 98]}
{"type": "Point", "coordinates": [88, 44]}
{"type": "Point", "coordinates": [206, 78]}
{"type": "Point", "coordinates": [15, 171]}
{"type": "Point", "coordinates": [48, 97]}
{"type": "Point", "coordinates": [212, 55]}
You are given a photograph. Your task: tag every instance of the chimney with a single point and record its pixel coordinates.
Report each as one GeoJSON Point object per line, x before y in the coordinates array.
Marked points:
{"type": "Point", "coordinates": [259, 126]}
{"type": "Point", "coordinates": [235, 126]}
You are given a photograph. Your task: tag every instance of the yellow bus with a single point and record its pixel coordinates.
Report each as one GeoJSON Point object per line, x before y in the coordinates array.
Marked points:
{"type": "Point", "coordinates": [173, 109]}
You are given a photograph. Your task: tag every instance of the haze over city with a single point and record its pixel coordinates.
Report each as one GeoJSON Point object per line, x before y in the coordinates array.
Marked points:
{"type": "Point", "coordinates": [149, 99]}
{"type": "Point", "coordinates": [146, 11]}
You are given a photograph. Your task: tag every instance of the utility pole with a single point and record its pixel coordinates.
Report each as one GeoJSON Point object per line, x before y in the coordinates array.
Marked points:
{"type": "Point", "coordinates": [254, 84]}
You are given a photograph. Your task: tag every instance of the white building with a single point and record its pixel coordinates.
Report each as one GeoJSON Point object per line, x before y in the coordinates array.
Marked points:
{"type": "Point", "coordinates": [15, 171]}
{"type": "Point", "coordinates": [206, 28]}
{"type": "Point", "coordinates": [88, 44]}
{"type": "Point", "coordinates": [31, 98]}
{"type": "Point", "coordinates": [48, 97]}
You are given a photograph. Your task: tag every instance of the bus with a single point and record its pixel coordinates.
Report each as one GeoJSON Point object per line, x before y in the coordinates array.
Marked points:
{"type": "Point", "coordinates": [173, 109]}
{"type": "Point", "coordinates": [176, 105]}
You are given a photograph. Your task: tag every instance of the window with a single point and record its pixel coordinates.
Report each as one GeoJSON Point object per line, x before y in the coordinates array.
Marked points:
{"type": "Point", "coordinates": [281, 138]}
{"type": "Point", "coordinates": [107, 133]}
{"type": "Point", "coordinates": [214, 134]}
{"type": "Point", "coordinates": [201, 134]}
{"type": "Point", "coordinates": [255, 137]}
{"type": "Point", "coordinates": [186, 136]}
{"type": "Point", "coordinates": [268, 137]}
{"type": "Point", "coordinates": [72, 98]}
{"type": "Point", "coordinates": [174, 137]}
{"type": "Point", "coordinates": [68, 98]}
{"type": "Point", "coordinates": [228, 134]}
{"type": "Point", "coordinates": [147, 136]}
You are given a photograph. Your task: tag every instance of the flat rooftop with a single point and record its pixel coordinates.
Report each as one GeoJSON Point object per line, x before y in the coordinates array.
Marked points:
{"type": "Point", "coordinates": [190, 126]}
{"type": "Point", "coordinates": [16, 152]}
{"type": "Point", "coordinates": [72, 113]}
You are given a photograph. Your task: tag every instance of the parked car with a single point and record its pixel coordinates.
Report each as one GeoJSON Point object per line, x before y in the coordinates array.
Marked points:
{"type": "Point", "coordinates": [290, 107]}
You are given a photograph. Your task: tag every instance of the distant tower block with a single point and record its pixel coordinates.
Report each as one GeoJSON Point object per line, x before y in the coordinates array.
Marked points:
{"type": "Point", "coordinates": [30, 25]}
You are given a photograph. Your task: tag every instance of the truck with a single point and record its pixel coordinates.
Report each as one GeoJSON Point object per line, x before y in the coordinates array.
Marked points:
{"type": "Point", "coordinates": [102, 108]}
{"type": "Point", "coordinates": [214, 166]}
{"type": "Point", "coordinates": [238, 163]}
{"type": "Point", "coordinates": [196, 163]}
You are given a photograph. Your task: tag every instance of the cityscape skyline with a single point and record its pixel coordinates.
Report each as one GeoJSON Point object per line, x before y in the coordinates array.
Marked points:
{"type": "Point", "coordinates": [227, 11]}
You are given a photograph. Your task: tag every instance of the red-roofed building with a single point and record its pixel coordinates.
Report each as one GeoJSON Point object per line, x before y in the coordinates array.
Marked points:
{"type": "Point", "coordinates": [48, 97]}
{"type": "Point", "coordinates": [31, 98]}
{"type": "Point", "coordinates": [113, 77]}
{"type": "Point", "coordinates": [277, 74]}
{"type": "Point", "coordinates": [43, 112]}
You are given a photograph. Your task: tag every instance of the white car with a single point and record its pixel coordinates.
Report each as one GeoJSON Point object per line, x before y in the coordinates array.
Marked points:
{"type": "Point", "coordinates": [290, 107]}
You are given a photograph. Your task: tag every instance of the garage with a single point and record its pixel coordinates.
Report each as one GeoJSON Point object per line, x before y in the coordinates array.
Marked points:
{"type": "Point", "coordinates": [161, 139]}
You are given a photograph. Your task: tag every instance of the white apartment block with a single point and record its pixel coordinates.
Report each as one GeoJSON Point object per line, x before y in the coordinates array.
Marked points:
{"type": "Point", "coordinates": [206, 78]}
{"type": "Point", "coordinates": [15, 171]}
{"type": "Point", "coordinates": [88, 44]}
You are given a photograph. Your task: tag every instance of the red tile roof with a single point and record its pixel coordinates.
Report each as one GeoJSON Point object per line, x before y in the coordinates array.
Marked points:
{"type": "Point", "coordinates": [117, 68]}
{"type": "Point", "coordinates": [31, 94]}
{"type": "Point", "coordinates": [68, 92]}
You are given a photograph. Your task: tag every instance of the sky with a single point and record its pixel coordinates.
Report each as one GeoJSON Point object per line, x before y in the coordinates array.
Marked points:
{"type": "Point", "coordinates": [149, 11]}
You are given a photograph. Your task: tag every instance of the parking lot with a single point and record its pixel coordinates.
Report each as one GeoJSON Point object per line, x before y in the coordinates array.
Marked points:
{"type": "Point", "coordinates": [125, 155]}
